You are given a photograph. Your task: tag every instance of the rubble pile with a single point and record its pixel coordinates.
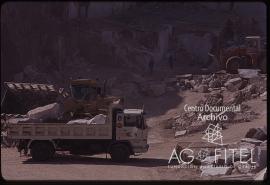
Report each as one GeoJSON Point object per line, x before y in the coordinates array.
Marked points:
{"type": "Point", "coordinates": [246, 158]}
{"type": "Point", "coordinates": [218, 88]}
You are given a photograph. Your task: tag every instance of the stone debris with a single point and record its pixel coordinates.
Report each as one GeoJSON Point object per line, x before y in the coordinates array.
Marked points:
{"type": "Point", "coordinates": [180, 133]}
{"type": "Point", "coordinates": [209, 160]}
{"type": "Point", "coordinates": [233, 84]}
{"type": "Point", "coordinates": [250, 157]}
{"type": "Point", "coordinates": [98, 119]}
{"type": "Point", "coordinates": [248, 73]}
{"type": "Point", "coordinates": [217, 88]}
{"type": "Point", "coordinates": [260, 156]}
{"type": "Point", "coordinates": [262, 175]}
{"type": "Point", "coordinates": [51, 111]}
{"type": "Point", "coordinates": [237, 177]}
{"type": "Point", "coordinates": [242, 168]}
{"type": "Point", "coordinates": [184, 76]}
{"type": "Point", "coordinates": [257, 133]}
{"type": "Point", "coordinates": [264, 96]}
{"type": "Point", "coordinates": [210, 171]}
{"type": "Point", "coordinates": [202, 88]}
{"type": "Point", "coordinates": [252, 141]}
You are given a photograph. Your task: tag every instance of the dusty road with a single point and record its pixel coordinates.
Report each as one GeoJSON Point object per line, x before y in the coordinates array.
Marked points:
{"type": "Point", "coordinates": [152, 165]}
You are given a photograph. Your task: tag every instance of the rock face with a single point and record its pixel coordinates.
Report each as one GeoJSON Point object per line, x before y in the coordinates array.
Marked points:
{"type": "Point", "coordinates": [51, 111]}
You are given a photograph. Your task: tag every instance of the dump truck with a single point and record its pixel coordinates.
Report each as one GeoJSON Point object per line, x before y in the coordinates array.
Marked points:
{"type": "Point", "coordinates": [124, 132]}
{"type": "Point", "coordinates": [251, 54]}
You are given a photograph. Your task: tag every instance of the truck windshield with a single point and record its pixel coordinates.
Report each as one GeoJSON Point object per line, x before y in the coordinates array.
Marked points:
{"type": "Point", "coordinates": [82, 92]}
{"type": "Point", "coordinates": [135, 121]}
{"type": "Point", "coordinates": [131, 121]}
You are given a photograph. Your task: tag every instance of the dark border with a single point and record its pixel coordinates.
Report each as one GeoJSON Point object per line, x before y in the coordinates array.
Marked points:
{"type": "Point", "coordinates": [208, 182]}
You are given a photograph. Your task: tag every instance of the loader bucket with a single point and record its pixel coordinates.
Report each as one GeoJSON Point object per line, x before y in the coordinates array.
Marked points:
{"type": "Point", "coordinates": [19, 98]}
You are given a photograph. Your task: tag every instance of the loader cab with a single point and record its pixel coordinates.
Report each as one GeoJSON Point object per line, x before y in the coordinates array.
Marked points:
{"type": "Point", "coordinates": [85, 89]}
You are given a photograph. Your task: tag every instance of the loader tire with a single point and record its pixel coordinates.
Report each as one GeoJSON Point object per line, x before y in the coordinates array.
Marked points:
{"type": "Point", "coordinates": [119, 153]}
{"type": "Point", "coordinates": [42, 151]}
{"type": "Point", "coordinates": [233, 65]}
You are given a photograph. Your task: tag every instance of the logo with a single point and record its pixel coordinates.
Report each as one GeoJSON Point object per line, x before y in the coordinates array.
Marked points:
{"type": "Point", "coordinates": [209, 156]}
{"type": "Point", "coordinates": [202, 154]}
{"type": "Point", "coordinates": [213, 134]}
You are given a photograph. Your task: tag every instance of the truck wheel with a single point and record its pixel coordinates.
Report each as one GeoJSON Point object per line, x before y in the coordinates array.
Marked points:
{"type": "Point", "coordinates": [42, 151]}
{"type": "Point", "coordinates": [119, 153]}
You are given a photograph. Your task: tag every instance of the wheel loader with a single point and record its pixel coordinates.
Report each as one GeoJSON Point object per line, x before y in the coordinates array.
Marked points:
{"type": "Point", "coordinates": [86, 97]}
{"type": "Point", "coordinates": [250, 55]}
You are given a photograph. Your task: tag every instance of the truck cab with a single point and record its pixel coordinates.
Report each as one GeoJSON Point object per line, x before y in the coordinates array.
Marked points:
{"type": "Point", "coordinates": [131, 126]}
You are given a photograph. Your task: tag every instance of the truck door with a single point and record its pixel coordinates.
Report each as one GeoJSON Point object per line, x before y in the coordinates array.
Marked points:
{"type": "Point", "coordinates": [126, 127]}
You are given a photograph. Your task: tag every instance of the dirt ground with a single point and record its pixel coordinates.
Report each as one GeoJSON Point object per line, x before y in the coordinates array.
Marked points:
{"type": "Point", "coordinates": [152, 165]}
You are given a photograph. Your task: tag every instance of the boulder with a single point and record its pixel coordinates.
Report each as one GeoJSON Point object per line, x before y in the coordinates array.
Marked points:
{"type": "Point", "coordinates": [257, 133]}
{"type": "Point", "coordinates": [215, 83]}
{"type": "Point", "coordinates": [51, 111]}
{"type": "Point", "coordinates": [256, 142]}
{"type": "Point", "coordinates": [98, 119]}
{"type": "Point", "coordinates": [248, 91]}
{"type": "Point", "coordinates": [78, 121]}
{"type": "Point", "coordinates": [261, 175]}
{"type": "Point", "coordinates": [245, 155]}
{"type": "Point", "coordinates": [234, 81]}
{"type": "Point", "coordinates": [233, 84]}
{"type": "Point", "coordinates": [264, 96]}
{"type": "Point", "coordinates": [260, 156]}
{"type": "Point", "coordinates": [188, 84]}
{"type": "Point", "coordinates": [209, 160]}
{"type": "Point", "coordinates": [184, 76]}
{"type": "Point", "coordinates": [197, 126]}
{"type": "Point", "coordinates": [242, 168]}
{"type": "Point", "coordinates": [216, 171]}
{"type": "Point", "coordinates": [19, 120]}
{"type": "Point", "coordinates": [202, 88]}
{"type": "Point", "coordinates": [248, 73]}
{"type": "Point", "coordinates": [180, 133]}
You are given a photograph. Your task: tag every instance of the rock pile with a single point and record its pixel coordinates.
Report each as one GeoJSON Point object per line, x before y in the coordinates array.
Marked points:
{"type": "Point", "coordinates": [247, 158]}
{"type": "Point", "coordinates": [217, 87]}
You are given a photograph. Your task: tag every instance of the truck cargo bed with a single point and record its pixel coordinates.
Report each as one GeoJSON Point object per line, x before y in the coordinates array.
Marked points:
{"type": "Point", "coordinates": [39, 131]}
